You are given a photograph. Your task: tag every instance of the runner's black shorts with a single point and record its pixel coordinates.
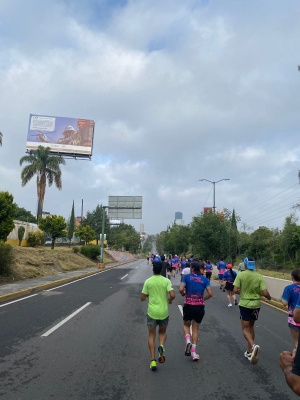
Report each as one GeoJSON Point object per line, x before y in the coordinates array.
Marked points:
{"type": "Point", "coordinates": [247, 314]}
{"type": "Point", "coordinates": [208, 274]}
{"type": "Point", "coordinates": [195, 313]}
{"type": "Point", "coordinates": [229, 286]}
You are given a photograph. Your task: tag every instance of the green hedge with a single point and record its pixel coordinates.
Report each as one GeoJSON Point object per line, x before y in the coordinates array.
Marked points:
{"type": "Point", "coordinates": [91, 251]}
{"type": "Point", "coordinates": [6, 259]}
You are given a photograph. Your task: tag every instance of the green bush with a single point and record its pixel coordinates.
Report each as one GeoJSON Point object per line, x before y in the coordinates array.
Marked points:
{"type": "Point", "coordinates": [33, 239]}
{"type": "Point", "coordinates": [91, 251]}
{"type": "Point", "coordinates": [6, 258]}
{"type": "Point", "coordinates": [75, 249]}
{"type": "Point", "coordinates": [41, 236]}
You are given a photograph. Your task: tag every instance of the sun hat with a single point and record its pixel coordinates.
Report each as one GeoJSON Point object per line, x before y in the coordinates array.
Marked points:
{"type": "Point", "coordinates": [249, 264]}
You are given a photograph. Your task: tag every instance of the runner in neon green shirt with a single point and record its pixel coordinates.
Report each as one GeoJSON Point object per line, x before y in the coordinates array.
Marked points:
{"type": "Point", "coordinates": [251, 286]}
{"type": "Point", "coordinates": [156, 289]}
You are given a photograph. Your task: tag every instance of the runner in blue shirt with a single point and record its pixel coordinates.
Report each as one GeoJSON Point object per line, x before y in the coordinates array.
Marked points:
{"type": "Point", "coordinates": [209, 269]}
{"type": "Point", "coordinates": [193, 287]}
{"type": "Point", "coordinates": [228, 280]}
{"type": "Point", "coordinates": [221, 265]}
{"type": "Point", "coordinates": [289, 298]}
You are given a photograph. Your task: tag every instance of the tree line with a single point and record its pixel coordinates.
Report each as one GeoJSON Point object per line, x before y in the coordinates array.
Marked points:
{"type": "Point", "coordinates": [212, 236]}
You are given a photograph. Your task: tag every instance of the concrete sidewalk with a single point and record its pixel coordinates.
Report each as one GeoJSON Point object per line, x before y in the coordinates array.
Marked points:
{"type": "Point", "coordinates": [12, 290]}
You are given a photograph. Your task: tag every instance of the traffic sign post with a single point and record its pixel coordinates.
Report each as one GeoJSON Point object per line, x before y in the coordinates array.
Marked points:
{"type": "Point", "coordinates": [132, 206]}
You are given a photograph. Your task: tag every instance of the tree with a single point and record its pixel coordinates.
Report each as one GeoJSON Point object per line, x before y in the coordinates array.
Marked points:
{"type": "Point", "coordinates": [94, 220]}
{"type": "Point", "coordinates": [233, 238]}
{"type": "Point", "coordinates": [54, 225]}
{"type": "Point", "coordinates": [1, 136]}
{"type": "Point", "coordinates": [21, 231]}
{"type": "Point", "coordinates": [71, 225]}
{"type": "Point", "coordinates": [46, 167]}
{"type": "Point", "coordinates": [125, 236]}
{"type": "Point", "coordinates": [24, 215]}
{"type": "Point", "coordinates": [209, 236]}
{"type": "Point", "coordinates": [85, 233]}
{"type": "Point", "coordinates": [7, 213]}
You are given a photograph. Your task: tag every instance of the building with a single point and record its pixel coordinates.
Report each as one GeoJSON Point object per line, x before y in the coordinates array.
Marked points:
{"type": "Point", "coordinates": [178, 215]}
{"type": "Point", "coordinates": [178, 218]}
{"type": "Point", "coordinates": [142, 229]}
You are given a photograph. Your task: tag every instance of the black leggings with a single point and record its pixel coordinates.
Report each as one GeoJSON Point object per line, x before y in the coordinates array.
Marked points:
{"type": "Point", "coordinates": [208, 275]}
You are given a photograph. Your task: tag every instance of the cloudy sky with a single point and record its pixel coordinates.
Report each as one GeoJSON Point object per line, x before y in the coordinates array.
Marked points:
{"type": "Point", "coordinates": [179, 91]}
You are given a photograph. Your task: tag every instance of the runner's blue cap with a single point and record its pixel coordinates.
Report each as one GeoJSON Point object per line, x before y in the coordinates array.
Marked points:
{"type": "Point", "coordinates": [249, 264]}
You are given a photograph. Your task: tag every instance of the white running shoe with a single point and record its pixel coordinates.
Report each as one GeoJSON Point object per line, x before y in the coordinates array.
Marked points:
{"type": "Point", "coordinates": [255, 354]}
{"type": "Point", "coordinates": [195, 357]}
{"type": "Point", "coordinates": [248, 355]}
{"type": "Point", "coordinates": [229, 305]}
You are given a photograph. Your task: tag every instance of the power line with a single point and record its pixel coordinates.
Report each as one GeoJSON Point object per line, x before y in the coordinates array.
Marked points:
{"type": "Point", "coordinates": [271, 212]}
{"type": "Point", "coordinates": [270, 198]}
{"type": "Point", "coordinates": [274, 187]}
{"type": "Point", "coordinates": [207, 196]}
{"type": "Point", "coordinates": [272, 219]}
{"type": "Point", "coordinates": [288, 198]}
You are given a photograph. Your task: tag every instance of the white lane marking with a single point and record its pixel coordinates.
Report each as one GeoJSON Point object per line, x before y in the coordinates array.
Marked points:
{"type": "Point", "coordinates": [65, 320]}
{"type": "Point", "coordinates": [24, 298]}
{"type": "Point", "coordinates": [77, 280]}
{"type": "Point", "coordinates": [181, 310]}
{"type": "Point", "coordinates": [124, 276]}
{"type": "Point", "coordinates": [136, 267]}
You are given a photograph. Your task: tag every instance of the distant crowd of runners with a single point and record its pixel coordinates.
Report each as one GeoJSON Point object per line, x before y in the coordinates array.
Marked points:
{"type": "Point", "coordinates": [195, 286]}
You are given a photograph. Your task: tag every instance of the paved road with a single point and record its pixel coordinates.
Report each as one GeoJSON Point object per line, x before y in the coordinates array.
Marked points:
{"type": "Point", "coordinates": [101, 352]}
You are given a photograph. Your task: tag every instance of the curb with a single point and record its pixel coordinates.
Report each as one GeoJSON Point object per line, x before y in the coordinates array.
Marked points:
{"type": "Point", "coordinates": [39, 288]}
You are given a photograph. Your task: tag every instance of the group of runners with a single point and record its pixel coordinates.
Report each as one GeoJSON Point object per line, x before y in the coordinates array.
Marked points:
{"type": "Point", "coordinates": [195, 287]}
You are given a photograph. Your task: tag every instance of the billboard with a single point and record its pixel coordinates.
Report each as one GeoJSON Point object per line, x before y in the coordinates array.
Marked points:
{"type": "Point", "coordinates": [63, 135]}
{"type": "Point", "coordinates": [207, 210]}
{"type": "Point", "coordinates": [125, 207]}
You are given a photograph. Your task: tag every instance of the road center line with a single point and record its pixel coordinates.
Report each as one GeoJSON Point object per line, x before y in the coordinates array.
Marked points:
{"type": "Point", "coordinates": [65, 320]}
{"type": "Point", "coordinates": [124, 276]}
{"type": "Point", "coordinates": [24, 298]}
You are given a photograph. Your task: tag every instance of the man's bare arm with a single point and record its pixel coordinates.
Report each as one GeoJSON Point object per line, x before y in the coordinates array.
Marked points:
{"type": "Point", "coordinates": [143, 296]}
{"type": "Point", "coordinates": [266, 294]}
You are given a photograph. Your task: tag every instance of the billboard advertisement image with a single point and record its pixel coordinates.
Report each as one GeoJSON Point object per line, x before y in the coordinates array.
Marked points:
{"type": "Point", "coordinates": [61, 134]}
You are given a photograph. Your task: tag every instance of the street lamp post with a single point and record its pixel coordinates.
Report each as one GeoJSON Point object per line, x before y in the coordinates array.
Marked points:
{"type": "Point", "coordinates": [214, 184]}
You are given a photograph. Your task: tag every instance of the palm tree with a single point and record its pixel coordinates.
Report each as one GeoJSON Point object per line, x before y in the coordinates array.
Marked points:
{"type": "Point", "coordinates": [1, 139]}
{"type": "Point", "coordinates": [46, 167]}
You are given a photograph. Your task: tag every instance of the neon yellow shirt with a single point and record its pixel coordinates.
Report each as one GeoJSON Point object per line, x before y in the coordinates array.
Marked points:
{"type": "Point", "coordinates": [157, 288]}
{"type": "Point", "coordinates": [251, 284]}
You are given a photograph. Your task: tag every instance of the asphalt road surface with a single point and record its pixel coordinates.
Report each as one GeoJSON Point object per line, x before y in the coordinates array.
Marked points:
{"type": "Point", "coordinates": [101, 351]}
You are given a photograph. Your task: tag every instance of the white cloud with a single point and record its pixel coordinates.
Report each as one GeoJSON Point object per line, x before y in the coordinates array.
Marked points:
{"type": "Point", "coordinates": [179, 92]}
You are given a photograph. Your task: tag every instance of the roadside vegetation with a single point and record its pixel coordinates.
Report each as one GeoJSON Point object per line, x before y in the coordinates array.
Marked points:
{"type": "Point", "coordinates": [213, 236]}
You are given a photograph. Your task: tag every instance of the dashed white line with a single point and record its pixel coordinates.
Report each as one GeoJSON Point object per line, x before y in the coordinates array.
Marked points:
{"type": "Point", "coordinates": [64, 320]}
{"type": "Point", "coordinates": [77, 280]}
{"type": "Point", "coordinates": [181, 310]}
{"type": "Point", "coordinates": [24, 298]}
{"type": "Point", "coordinates": [124, 276]}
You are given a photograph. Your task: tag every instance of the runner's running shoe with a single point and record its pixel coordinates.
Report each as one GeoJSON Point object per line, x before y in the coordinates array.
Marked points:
{"type": "Point", "coordinates": [153, 365]}
{"type": "Point", "coordinates": [195, 357]}
{"type": "Point", "coordinates": [248, 355]}
{"type": "Point", "coordinates": [255, 354]}
{"type": "Point", "coordinates": [229, 305]}
{"type": "Point", "coordinates": [187, 351]}
{"type": "Point", "coordinates": [235, 302]}
{"type": "Point", "coordinates": [161, 354]}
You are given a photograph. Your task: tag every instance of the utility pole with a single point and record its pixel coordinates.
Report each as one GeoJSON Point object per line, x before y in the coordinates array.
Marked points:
{"type": "Point", "coordinates": [214, 187]}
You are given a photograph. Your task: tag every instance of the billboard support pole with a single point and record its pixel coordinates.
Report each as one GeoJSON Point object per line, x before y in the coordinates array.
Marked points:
{"type": "Point", "coordinates": [102, 234]}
